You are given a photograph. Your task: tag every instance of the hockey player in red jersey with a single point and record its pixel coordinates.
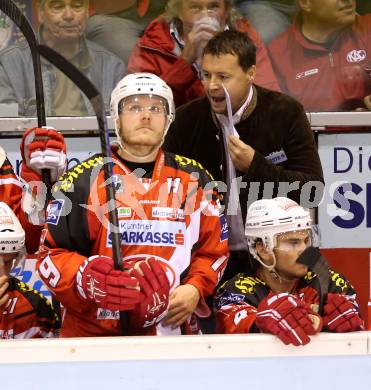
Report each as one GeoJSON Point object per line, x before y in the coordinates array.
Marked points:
{"type": "Point", "coordinates": [282, 296]}
{"type": "Point", "coordinates": [174, 240]}
{"type": "Point", "coordinates": [41, 148]}
{"type": "Point", "coordinates": [24, 312]}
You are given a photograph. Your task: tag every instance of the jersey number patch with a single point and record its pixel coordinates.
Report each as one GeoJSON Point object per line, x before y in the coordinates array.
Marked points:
{"type": "Point", "coordinates": [49, 271]}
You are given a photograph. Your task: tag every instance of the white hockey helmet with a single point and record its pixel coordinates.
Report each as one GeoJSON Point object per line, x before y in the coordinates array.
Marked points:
{"type": "Point", "coordinates": [267, 218]}
{"type": "Point", "coordinates": [12, 235]}
{"type": "Point", "coordinates": [142, 84]}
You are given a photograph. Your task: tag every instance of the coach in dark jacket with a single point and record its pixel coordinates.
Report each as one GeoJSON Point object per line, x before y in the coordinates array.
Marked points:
{"type": "Point", "coordinates": [273, 145]}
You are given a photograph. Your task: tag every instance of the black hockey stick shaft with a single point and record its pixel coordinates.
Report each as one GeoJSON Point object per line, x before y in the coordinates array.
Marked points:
{"type": "Point", "coordinates": [96, 100]}
{"type": "Point", "coordinates": [20, 20]}
{"type": "Point", "coordinates": [312, 258]}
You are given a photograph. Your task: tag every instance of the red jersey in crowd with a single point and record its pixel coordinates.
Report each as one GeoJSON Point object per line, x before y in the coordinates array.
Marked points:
{"type": "Point", "coordinates": [330, 77]}
{"type": "Point", "coordinates": [156, 52]}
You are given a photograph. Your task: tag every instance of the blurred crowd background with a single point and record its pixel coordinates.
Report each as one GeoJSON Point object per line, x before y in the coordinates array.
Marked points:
{"type": "Point", "coordinates": [318, 50]}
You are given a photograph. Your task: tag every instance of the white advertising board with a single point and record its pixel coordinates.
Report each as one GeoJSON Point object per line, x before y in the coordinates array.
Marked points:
{"type": "Point", "coordinates": [345, 212]}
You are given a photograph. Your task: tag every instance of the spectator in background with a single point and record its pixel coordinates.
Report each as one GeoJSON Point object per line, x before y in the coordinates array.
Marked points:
{"type": "Point", "coordinates": [270, 18]}
{"type": "Point", "coordinates": [172, 45]}
{"type": "Point", "coordinates": [282, 296]}
{"type": "Point", "coordinates": [323, 59]}
{"type": "Point", "coordinates": [266, 139]}
{"type": "Point", "coordinates": [117, 25]}
{"type": "Point", "coordinates": [24, 312]}
{"type": "Point", "coordinates": [62, 26]}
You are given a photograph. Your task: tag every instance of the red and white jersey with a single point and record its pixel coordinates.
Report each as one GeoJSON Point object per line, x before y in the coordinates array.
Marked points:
{"type": "Point", "coordinates": [11, 192]}
{"type": "Point", "coordinates": [173, 216]}
{"type": "Point", "coordinates": [27, 314]}
{"type": "Point", "coordinates": [11, 188]}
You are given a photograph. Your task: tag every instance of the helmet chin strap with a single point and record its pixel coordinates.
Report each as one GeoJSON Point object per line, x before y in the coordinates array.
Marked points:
{"type": "Point", "coordinates": [272, 269]}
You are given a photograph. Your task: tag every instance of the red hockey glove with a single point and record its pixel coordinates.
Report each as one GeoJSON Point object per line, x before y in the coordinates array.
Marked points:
{"type": "Point", "coordinates": [42, 148]}
{"type": "Point", "coordinates": [98, 282]}
{"type": "Point", "coordinates": [154, 288]}
{"type": "Point", "coordinates": [341, 314]}
{"type": "Point", "coordinates": [287, 317]}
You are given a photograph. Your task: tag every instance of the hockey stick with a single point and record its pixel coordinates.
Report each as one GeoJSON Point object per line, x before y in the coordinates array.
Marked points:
{"type": "Point", "coordinates": [20, 20]}
{"type": "Point", "coordinates": [96, 100]}
{"type": "Point", "coordinates": [317, 263]}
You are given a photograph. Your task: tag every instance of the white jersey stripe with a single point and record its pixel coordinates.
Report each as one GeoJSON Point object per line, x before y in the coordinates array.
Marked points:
{"type": "Point", "coordinates": [11, 181]}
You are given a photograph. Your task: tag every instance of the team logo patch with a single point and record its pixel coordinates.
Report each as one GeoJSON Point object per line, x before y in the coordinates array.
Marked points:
{"type": "Point", "coordinates": [224, 228]}
{"type": "Point", "coordinates": [55, 211]}
{"type": "Point", "coordinates": [356, 56]}
{"type": "Point", "coordinates": [228, 298]}
{"type": "Point", "coordinates": [168, 213]}
{"type": "Point", "coordinates": [150, 233]}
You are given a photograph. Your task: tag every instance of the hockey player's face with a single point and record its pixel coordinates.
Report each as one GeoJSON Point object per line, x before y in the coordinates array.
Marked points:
{"type": "Point", "coordinates": [225, 70]}
{"type": "Point", "coordinates": [64, 20]}
{"type": "Point", "coordinates": [330, 12]}
{"type": "Point", "coordinates": [288, 249]}
{"type": "Point", "coordinates": [142, 120]}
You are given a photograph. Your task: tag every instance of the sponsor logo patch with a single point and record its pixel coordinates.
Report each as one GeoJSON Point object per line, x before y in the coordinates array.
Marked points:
{"type": "Point", "coordinates": [149, 201]}
{"type": "Point", "coordinates": [150, 233]}
{"type": "Point", "coordinates": [307, 73]}
{"type": "Point", "coordinates": [247, 284]}
{"type": "Point", "coordinates": [6, 220]}
{"type": "Point", "coordinates": [117, 183]}
{"type": "Point", "coordinates": [124, 212]}
{"type": "Point", "coordinates": [105, 314]}
{"type": "Point", "coordinates": [54, 211]}
{"type": "Point", "coordinates": [168, 213]}
{"type": "Point", "coordinates": [224, 228]}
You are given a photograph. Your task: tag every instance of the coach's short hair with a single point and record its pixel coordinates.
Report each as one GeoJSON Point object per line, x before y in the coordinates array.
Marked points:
{"type": "Point", "coordinates": [233, 42]}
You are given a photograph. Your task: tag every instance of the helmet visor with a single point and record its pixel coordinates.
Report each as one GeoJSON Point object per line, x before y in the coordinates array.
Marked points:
{"type": "Point", "coordinates": [137, 104]}
{"type": "Point", "coordinates": [297, 240]}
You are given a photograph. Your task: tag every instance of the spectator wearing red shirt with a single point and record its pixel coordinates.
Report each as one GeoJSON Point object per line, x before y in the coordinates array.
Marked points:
{"type": "Point", "coordinates": [172, 45]}
{"type": "Point", "coordinates": [323, 59]}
